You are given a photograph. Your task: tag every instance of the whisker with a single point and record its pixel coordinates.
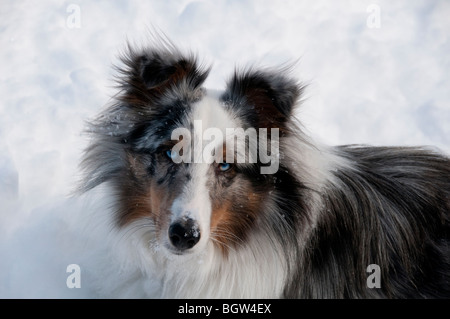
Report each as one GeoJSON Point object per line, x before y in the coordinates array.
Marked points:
{"type": "Point", "coordinates": [223, 233]}
{"type": "Point", "coordinates": [130, 231]}
{"type": "Point", "coordinates": [221, 243]}
{"type": "Point", "coordinates": [227, 236]}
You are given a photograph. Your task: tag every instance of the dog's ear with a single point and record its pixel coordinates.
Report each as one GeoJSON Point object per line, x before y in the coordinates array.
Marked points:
{"type": "Point", "coordinates": [154, 70]}
{"type": "Point", "coordinates": [163, 71]}
{"type": "Point", "coordinates": [265, 98]}
{"type": "Point", "coordinates": [151, 73]}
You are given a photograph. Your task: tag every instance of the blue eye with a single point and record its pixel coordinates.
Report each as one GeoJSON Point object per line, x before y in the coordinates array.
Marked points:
{"type": "Point", "coordinates": [224, 166]}
{"type": "Point", "coordinates": [171, 154]}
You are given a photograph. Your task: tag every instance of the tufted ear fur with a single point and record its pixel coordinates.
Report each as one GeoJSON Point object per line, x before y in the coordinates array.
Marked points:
{"type": "Point", "coordinates": [265, 98]}
{"type": "Point", "coordinates": [151, 73]}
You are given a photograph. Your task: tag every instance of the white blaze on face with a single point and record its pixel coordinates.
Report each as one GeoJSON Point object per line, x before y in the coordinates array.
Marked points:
{"type": "Point", "coordinates": [210, 120]}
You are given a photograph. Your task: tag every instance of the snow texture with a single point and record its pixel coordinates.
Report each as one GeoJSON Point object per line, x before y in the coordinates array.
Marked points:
{"type": "Point", "coordinates": [379, 79]}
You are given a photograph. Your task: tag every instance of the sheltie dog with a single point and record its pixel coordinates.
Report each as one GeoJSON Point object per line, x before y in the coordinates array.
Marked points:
{"type": "Point", "coordinates": [290, 219]}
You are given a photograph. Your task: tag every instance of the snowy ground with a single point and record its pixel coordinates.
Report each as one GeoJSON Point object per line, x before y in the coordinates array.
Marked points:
{"type": "Point", "coordinates": [379, 73]}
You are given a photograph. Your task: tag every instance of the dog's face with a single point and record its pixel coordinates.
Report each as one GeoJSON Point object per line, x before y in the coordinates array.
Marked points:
{"type": "Point", "coordinates": [184, 167]}
{"type": "Point", "coordinates": [197, 198]}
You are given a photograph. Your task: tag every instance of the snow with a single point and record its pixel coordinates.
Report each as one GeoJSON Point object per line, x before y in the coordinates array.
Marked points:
{"type": "Point", "coordinates": [385, 84]}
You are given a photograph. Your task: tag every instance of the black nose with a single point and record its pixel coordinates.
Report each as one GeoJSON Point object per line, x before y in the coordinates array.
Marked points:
{"type": "Point", "coordinates": [184, 234]}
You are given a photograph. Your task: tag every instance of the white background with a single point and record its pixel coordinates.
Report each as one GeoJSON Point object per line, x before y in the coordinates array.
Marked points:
{"type": "Point", "coordinates": [386, 84]}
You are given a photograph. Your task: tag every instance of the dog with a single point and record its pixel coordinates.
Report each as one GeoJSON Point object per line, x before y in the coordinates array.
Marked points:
{"type": "Point", "coordinates": [291, 219]}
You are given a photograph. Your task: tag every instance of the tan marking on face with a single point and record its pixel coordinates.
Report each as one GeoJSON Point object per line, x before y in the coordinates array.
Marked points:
{"type": "Point", "coordinates": [161, 201]}
{"type": "Point", "coordinates": [221, 226]}
{"type": "Point", "coordinates": [143, 198]}
{"type": "Point", "coordinates": [231, 220]}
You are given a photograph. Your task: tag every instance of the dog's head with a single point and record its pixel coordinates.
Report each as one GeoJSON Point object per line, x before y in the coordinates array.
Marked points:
{"type": "Point", "coordinates": [197, 166]}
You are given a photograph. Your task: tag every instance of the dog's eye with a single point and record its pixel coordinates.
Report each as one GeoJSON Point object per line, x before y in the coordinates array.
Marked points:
{"type": "Point", "coordinates": [172, 154]}
{"type": "Point", "coordinates": [223, 167]}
